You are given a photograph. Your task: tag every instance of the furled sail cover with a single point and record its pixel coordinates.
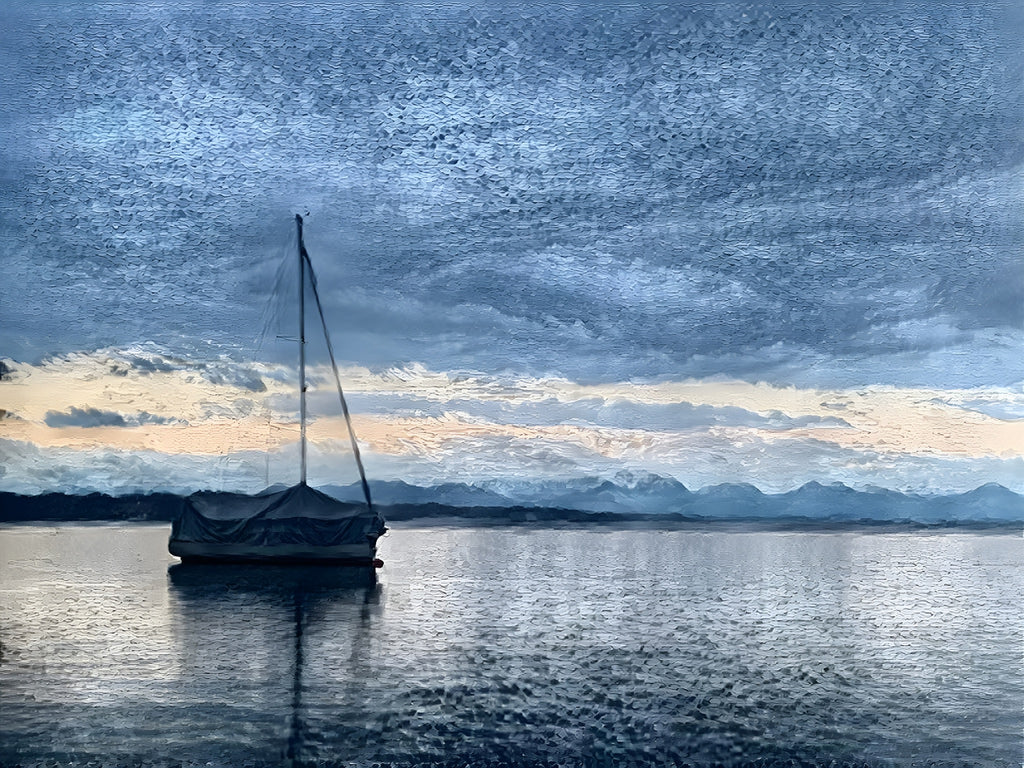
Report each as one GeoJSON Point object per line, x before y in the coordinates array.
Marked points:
{"type": "Point", "coordinates": [298, 515]}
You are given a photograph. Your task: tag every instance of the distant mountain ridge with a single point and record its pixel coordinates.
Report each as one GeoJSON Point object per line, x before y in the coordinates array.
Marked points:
{"type": "Point", "coordinates": [650, 497]}
{"type": "Point", "coordinates": [655, 495]}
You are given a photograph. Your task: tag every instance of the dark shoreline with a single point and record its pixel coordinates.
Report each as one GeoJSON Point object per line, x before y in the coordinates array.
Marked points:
{"type": "Point", "coordinates": [164, 507]}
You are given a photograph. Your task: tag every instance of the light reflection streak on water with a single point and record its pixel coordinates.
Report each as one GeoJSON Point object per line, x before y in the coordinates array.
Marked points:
{"type": "Point", "coordinates": [520, 644]}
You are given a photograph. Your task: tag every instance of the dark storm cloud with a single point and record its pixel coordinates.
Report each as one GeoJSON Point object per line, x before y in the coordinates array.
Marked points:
{"type": "Point", "coordinates": [85, 417]}
{"type": "Point", "coordinates": [223, 372]}
{"type": "Point", "coordinates": [144, 365]}
{"type": "Point", "coordinates": [94, 417]}
{"type": "Point", "coordinates": [598, 191]}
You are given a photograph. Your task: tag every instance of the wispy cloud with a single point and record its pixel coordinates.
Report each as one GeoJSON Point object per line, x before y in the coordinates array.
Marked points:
{"type": "Point", "coordinates": [431, 426]}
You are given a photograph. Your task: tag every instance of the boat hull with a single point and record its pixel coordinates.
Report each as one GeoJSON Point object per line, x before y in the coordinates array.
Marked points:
{"type": "Point", "coordinates": [342, 554]}
{"type": "Point", "coordinates": [295, 525]}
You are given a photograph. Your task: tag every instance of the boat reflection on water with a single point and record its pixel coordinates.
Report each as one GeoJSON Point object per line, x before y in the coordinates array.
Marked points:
{"type": "Point", "coordinates": [249, 625]}
{"type": "Point", "coordinates": [213, 580]}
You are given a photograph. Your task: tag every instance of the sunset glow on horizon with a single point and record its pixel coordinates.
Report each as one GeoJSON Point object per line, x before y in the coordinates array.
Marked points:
{"type": "Point", "coordinates": [765, 244]}
{"type": "Point", "coordinates": [435, 427]}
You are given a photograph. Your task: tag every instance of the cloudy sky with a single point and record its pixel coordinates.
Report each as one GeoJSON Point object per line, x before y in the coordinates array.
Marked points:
{"type": "Point", "coordinates": [722, 242]}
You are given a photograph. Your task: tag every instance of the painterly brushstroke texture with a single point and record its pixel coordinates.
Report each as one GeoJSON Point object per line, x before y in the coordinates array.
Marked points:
{"type": "Point", "coordinates": [819, 196]}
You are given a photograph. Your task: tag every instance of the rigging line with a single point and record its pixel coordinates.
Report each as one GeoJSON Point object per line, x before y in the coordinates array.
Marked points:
{"type": "Point", "coordinates": [271, 314]}
{"type": "Point", "coordinates": [337, 379]}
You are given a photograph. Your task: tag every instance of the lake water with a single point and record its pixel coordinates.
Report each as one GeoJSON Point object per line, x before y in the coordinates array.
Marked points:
{"type": "Point", "coordinates": [488, 646]}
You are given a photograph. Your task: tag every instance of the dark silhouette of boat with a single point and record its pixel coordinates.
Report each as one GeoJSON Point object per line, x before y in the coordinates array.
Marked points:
{"type": "Point", "coordinates": [298, 524]}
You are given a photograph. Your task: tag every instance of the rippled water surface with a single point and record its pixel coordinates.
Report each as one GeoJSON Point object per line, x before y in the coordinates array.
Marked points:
{"type": "Point", "coordinates": [500, 646]}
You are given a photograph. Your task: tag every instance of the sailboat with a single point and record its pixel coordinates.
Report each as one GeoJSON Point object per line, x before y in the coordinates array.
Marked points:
{"type": "Point", "coordinates": [298, 524]}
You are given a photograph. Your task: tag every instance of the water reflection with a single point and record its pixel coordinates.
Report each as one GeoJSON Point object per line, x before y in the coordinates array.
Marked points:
{"type": "Point", "coordinates": [279, 608]}
{"type": "Point", "coordinates": [517, 647]}
{"type": "Point", "coordinates": [210, 583]}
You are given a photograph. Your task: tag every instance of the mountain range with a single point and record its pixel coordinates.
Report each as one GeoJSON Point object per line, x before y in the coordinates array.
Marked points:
{"type": "Point", "coordinates": [629, 497]}
{"type": "Point", "coordinates": [653, 495]}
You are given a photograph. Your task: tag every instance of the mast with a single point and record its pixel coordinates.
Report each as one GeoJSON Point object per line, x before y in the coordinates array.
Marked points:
{"type": "Point", "coordinates": [304, 264]}
{"type": "Point", "coordinates": [302, 346]}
